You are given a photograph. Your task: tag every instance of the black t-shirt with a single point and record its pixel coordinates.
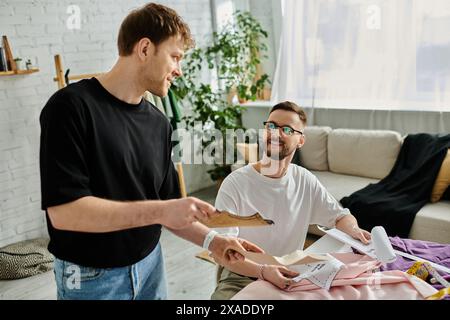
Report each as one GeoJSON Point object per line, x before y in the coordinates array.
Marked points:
{"type": "Point", "coordinates": [93, 144]}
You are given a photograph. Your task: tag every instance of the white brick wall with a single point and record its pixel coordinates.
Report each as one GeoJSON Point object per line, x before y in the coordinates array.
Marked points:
{"type": "Point", "coordinates": [37, 29]}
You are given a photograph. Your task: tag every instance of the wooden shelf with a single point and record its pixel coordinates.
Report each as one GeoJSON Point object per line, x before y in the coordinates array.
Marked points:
{"type": "Point", "coordinates": [11, 63]}
{"type": "Point", "coordinates": [13, 73]}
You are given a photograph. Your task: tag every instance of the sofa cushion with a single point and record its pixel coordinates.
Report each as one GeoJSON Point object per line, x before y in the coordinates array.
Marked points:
{"type": "Point", "coordinates": [432, 223]}
{"type": "Point", "coordinates": [25, 259]}
{"type": "Point", "coordinates": [313, 154]}
{"type": "Point", "coordinates": [339, 185]}
{"type": "Point", "coordinates": [442, 180]}
{"type": "Point", "coordinates": [365, 153]}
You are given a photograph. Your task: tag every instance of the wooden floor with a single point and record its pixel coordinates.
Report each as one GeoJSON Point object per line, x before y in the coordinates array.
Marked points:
{"type": "Point", "coordinates": [188, 277]}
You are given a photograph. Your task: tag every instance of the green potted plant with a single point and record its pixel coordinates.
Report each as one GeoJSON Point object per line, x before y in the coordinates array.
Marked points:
{"type": "Point", "coordinates": [19, 63]}
{"type": "Point", "coordinates": [234, 55]}
{"type": "Point", "coordinates": [237, 49]}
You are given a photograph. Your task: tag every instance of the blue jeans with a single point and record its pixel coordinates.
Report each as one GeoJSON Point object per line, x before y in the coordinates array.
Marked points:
{"type": "Point", "coordinates": [144, 280]}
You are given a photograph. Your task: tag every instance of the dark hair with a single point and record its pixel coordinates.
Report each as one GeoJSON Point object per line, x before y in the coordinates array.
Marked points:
{"type": "Point", "coordinates": [290, 106]}
{"type": "Point", "coordinates": [153, 21]}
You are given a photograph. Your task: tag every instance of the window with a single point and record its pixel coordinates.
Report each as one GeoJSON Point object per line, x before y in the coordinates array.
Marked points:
{"type": "Point", "coordinates": [379, 54]}
{"type": "Point", "coordinates": [222, 13]}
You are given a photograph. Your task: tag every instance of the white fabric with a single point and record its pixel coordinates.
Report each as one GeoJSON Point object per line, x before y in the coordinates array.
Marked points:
{"type": "Point", "coordinates": [404, 122]}
{"type": "Point", "coordinates": [313, 154]}
{"type": "Point", "coordinates": [365, 153]}
{"type": "Point", "coordinates": [208, 238]}
{"type": "Point", "coordinates": [292, 202]}
{"type": "Point", "coordinates": [365, 54]}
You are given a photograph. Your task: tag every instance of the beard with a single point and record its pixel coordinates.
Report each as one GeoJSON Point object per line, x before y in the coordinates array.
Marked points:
{"type": "Point", "coordinates": [282, 152]}
{"type": "Point", "coordinates": [155, 84]}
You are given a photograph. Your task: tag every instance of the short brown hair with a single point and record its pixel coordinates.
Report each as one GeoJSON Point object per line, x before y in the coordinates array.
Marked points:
{"type": "Point", "coordinates": [290, 106]}
{"type": "Point", "coordinates": [153, 21]}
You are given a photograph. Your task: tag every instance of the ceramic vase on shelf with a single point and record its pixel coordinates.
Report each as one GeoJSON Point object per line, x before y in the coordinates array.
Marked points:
{"type": "Point", "coordinates": [19, 64]}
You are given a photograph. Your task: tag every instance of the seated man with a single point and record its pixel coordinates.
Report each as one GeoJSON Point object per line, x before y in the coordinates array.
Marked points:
{"type": "Point", "coordinates": [288, 194]}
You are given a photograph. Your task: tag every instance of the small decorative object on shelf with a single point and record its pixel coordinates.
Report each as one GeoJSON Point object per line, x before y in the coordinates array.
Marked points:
{"type": "Point", "coordinates": [29, 65]}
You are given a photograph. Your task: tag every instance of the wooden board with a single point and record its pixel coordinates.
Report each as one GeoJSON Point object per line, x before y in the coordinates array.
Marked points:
{"type": "Point", "coordinates": [228, 219]}
{"type": "Point", "coordinates": [179, 167]}
{"type": "Point", "coordinates": [12, 73]}
{"type": "Point", "coordinates": [59, 72]}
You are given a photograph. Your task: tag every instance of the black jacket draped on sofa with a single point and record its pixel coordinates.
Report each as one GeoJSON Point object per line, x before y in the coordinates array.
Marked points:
{"type": "Point", "coordinates": [394, 201]}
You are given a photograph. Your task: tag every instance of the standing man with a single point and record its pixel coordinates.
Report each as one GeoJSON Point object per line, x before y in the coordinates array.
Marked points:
{"type": "Point", "coordinates": [107, 179]}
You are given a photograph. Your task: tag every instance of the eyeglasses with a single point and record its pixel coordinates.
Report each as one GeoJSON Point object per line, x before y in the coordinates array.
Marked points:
{"type": "Point", "coordinates": [271, 126]}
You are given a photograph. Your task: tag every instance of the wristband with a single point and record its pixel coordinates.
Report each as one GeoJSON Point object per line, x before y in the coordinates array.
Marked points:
{"type": "Point", "coordinates": [261, 270]}
{"type": "Point", "coordinates": [208, 238]}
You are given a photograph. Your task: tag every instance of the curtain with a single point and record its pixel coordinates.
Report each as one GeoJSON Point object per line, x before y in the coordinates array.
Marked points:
{"type": "Point", "coordinates": [377, 54]}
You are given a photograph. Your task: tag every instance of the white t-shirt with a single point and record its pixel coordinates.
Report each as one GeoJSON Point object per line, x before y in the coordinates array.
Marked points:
{"type": "Point", "coordinates": [293, 202]}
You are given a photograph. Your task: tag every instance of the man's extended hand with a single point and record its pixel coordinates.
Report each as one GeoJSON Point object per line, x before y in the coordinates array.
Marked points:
{"type": "Point", "coordinates": [225, 249]}
{"type": "Point", "coordinates": [360, 234]}
{"type": "Point", "coordinates": [181, 213]}
{"type": "Point", "coordinates": [349, 225]}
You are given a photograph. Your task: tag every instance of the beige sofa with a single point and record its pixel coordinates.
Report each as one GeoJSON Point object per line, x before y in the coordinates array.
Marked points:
{"type": "Point", "coordinates": [346, 160]}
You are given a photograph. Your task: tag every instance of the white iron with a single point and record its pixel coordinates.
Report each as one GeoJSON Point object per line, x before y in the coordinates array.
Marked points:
{"type": "Point", "coordinates": [383, 247]}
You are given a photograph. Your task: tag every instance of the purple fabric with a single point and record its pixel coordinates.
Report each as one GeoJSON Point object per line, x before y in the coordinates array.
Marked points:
{"type": "Point", "coordinates": [431, 251]}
